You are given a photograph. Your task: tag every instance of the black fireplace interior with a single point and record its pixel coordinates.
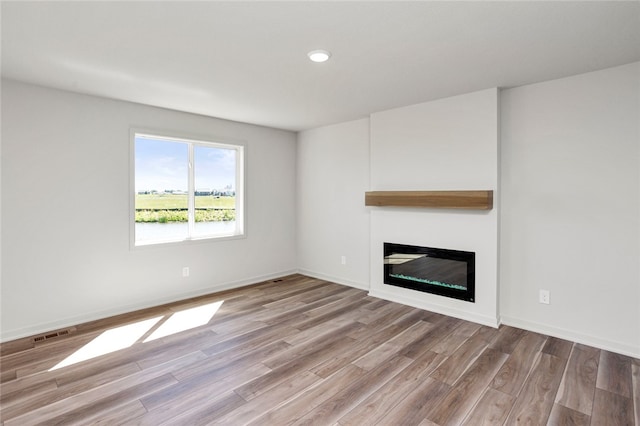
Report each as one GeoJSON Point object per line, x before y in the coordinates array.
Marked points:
{"type": "Point", "coordinates": [444, 272]}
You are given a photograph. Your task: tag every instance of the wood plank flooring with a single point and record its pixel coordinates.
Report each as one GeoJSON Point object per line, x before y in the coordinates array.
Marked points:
{"type": "Point", "coordinates": [301, 351]}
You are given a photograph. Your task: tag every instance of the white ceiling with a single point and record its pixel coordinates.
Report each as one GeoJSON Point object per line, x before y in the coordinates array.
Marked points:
{"type": "Point", "coordinates": [246, 61]}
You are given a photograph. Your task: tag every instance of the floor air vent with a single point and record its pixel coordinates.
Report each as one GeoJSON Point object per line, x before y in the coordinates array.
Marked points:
{"type": "Point", "coordinates": [49, 336]}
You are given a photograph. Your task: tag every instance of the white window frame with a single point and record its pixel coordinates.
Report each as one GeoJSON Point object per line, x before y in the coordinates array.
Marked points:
{"type": "Point", "coordinates": [192, 140]}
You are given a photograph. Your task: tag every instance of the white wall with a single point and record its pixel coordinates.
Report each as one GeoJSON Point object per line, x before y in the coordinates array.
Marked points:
{"type": "Point", "coordinates": [65, 211]}
{"type": "Point", "coordinates": [569, 204]}
{"type": "Point", "coordinates": [449, 144]}
{"type": "Point", "coordinates": [333, 175]}
{"type": "Point", "coordinates": [571, 207]}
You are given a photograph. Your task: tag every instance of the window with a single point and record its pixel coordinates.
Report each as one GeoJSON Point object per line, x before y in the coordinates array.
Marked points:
{"type": "Point", "coordinates": [186, 189]}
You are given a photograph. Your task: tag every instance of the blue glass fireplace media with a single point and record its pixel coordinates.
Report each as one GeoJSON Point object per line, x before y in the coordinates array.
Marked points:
{"type": "Point", "coordinates": [449, 273]}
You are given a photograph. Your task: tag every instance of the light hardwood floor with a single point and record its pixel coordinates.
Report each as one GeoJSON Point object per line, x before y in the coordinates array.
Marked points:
{"type": "Point", "coordinates": [304, 351]}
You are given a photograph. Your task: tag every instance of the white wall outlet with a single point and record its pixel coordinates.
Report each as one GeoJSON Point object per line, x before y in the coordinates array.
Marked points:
{"type": "Point", "coordinates": [544, 296]}
{"type": "Point", "coordinates": [343, 260]}
{"type": "Point", "coordinates": [185, 271]}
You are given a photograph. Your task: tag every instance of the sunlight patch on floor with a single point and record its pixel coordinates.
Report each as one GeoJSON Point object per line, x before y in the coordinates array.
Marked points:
{"type": "Point", "coordinates": [109, 341]}
{"type": "Point", "coordinates": [185, 320]}
{"type": "Point", "coordinates": [125, 336]}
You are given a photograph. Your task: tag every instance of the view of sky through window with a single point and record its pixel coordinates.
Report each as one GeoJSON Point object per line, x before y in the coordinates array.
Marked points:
{"type": "Point", "coordinates": [215, 168]}
{"type": "Point", "coordinates": [162, 165]}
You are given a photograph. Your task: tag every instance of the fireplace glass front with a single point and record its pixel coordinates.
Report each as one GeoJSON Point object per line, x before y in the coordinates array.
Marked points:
{"type": "Point", "coordinates": [449, 273]}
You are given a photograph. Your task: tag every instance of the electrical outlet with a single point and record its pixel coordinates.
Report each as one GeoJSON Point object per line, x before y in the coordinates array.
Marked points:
{"type": "Point", "coordinates": [185, 271]}
{"type": "Point", "coordinates": [544, 296]}
{"type": "Point", "coordinates": [343, 260]}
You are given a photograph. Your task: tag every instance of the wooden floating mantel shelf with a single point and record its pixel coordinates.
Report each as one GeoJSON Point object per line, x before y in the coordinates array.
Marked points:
{"type": "Point", "coordinates": [470, 200]}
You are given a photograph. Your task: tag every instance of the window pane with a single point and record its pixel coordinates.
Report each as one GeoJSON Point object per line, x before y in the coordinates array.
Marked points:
{"type": "Point", "coordinates": [215, 190]}
{"type": "Point", "coordinates": [161, 185]}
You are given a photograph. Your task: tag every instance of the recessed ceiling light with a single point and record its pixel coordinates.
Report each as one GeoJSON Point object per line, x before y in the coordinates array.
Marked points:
{"type": "Point", "coordinates": [319, 55]}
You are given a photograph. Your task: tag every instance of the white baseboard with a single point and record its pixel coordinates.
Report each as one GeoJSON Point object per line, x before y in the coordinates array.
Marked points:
{"type": "Point", "coordinates": [337, 280]}
{"type": "Point", "coordinates": [444, 310]}
{"type": "Point", "coordinates": [93, 316]}
{"type": "Point", "coordinates": [596, 342]}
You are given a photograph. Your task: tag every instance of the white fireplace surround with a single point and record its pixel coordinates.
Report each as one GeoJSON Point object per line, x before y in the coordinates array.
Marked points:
{"type": "Point", "coordinates": [425, 147]}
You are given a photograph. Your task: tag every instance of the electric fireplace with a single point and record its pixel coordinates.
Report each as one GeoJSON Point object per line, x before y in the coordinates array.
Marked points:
{"type": "Point", "coordinates": [449, 273]}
